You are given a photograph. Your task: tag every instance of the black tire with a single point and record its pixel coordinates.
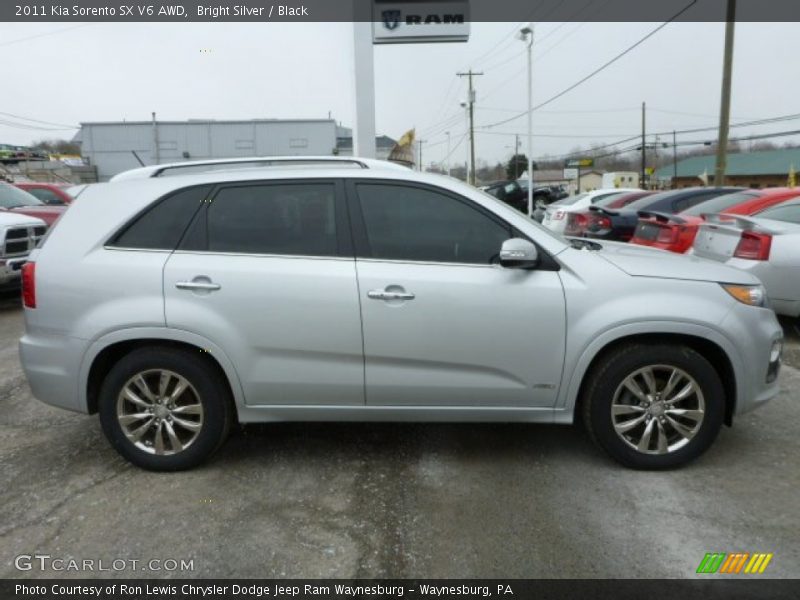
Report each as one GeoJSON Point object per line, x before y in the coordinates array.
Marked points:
{"type": "Point", "coordinates": [608, 376]}
{"type": "Point", "coordinates": [207, 388]}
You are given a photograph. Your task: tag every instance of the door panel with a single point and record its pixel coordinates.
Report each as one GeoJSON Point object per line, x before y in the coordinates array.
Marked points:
{"type": "Point", "coordinates": [471, 336]}
{"type": "Point", "coordinates": [266, 272]}
{"type": "Point", "coordinates": [443, 325]}
{"type": "Point", "coordinates": [290, 326]}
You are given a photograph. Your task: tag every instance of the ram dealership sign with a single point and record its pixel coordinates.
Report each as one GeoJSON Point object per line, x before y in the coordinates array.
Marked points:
{"type": "Point", "coordinates": [420, 22]}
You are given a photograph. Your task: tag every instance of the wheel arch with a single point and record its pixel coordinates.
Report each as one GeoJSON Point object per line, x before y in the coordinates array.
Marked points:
{"type": "Point", "coordinates": [107, 351]}
{"type": "Point", "coordinates": [723, 359]}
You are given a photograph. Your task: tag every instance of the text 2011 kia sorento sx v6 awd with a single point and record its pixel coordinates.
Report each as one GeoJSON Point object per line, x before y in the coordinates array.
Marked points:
{"type": "Point", "coordinates": [178, 299]}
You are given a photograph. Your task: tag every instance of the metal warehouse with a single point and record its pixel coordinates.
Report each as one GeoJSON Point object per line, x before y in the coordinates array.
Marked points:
{"type": "Point", "coordinates": [113, 147]}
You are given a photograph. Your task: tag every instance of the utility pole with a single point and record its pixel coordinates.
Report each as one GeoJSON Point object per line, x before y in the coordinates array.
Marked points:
{"type": "Point", "coordinates": [447, 133]}
{"type": "Point", "coordinates": [471, 102]}
{"type": "Point", "coordinates": [526, 34]}
{"type": "Point", "coordinates": [674, 160]}
{"type": "Point", "coordinates": [725, 102]}
{"type": "Point", "coordinates": [644, 150]}
{"type": "Point", "coordinates": [420, 153]}
{"type": "Point", "coordinates": [516, 154]}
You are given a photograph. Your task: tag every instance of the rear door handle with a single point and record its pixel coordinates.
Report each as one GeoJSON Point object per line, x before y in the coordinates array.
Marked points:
{"type": "Point", "coordinates": [197, 285]}
{"type": "Point", "coordinates": [386, 295]}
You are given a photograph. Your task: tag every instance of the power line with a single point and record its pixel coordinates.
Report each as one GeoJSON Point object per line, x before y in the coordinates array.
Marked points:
{"type": "Point", "coordinates": [599, 69]}
{"type": "Point", "coordinates": [40, 35]}
{"type": "Point", "coordinates": [39, 121]}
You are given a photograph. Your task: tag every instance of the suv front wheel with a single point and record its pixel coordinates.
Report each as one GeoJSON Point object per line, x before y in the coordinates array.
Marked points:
{"type": "Point", "coordinates": [654, 406]}
{"type": "Point", "coordinates": [164, 409]}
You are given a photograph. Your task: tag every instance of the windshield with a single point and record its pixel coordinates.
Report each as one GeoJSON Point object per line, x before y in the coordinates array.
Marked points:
{"type": "Point", "coordinates": [789, 213]}
{"type": "Point", "coordinates": [11, 197]}
{"type": "Point", "coordinates": [720, 203]}
{"type": "Point", "coordinates": [606, 200]}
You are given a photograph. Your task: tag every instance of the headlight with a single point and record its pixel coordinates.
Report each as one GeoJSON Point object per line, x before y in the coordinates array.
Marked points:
{"type": "Point", "coordinates": [754, 295]}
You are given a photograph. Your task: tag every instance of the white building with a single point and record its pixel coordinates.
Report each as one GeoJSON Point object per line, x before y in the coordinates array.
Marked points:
{"type": "Point", "coordinates": [114, 147]}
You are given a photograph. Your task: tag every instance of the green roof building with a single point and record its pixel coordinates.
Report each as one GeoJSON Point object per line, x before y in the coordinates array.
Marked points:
{"type": "Point", "coordinates": [769, 168]}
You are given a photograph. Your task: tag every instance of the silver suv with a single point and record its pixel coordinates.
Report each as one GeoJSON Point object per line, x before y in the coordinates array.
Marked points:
{"type": "Point", "coordinates": [180, 299]}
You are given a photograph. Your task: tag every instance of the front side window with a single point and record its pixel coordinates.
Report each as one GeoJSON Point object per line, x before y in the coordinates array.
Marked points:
{"type": "Point", "coordinates": [45, 195]}
{"type": "Point", "coordinates": [296, 219]}
{"type": "Point", "coordinates": [418, 224]}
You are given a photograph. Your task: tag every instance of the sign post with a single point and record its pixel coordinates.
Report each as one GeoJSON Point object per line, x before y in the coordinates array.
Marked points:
{"type": "Point", "coordinates": [390, 22]}
{"type": "Point", "coordinates": [574, 165]}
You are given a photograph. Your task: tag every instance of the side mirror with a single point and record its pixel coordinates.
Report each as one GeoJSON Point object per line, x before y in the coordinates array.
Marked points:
{"type": "Point", "coordinates": [517, 253]}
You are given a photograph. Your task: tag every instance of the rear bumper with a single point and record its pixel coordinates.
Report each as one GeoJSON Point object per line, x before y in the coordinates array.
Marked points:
{"type": "Point", "coordinates": [52, 364]}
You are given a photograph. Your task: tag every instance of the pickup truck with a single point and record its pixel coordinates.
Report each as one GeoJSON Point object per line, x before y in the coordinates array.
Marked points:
{"type": "Point", "coordinates": [19, 234]}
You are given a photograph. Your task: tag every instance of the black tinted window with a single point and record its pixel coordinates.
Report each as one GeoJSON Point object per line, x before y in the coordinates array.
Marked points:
{"type": "Point", "coordinates": [410, 223]}
{"type": "Point", "coordinates": [719, 203]}
{"type": "Point", "coordinates": [274, 219]}
{"type": "Point", "coordinates": [161, 226]}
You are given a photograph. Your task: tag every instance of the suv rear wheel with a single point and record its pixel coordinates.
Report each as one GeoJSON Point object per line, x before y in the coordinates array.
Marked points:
{"type": "Point", "coordinates": [164, 409]}
{"type": "Point", "coordinates": [654, 407]}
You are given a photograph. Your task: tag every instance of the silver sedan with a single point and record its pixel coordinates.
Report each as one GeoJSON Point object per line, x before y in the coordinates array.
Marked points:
{"type": "Point", "coordinates": [768, 246]}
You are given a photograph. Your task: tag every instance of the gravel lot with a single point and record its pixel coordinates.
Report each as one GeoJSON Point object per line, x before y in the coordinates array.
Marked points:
{"type": "Point", "coordinates": [364, 500]}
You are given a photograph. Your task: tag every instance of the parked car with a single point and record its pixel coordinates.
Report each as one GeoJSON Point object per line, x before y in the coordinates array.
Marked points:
{"type": "Point", "coordinates": [676, 233]}
{"type": "Point", "coordinates": [515, 194]}
{"type": "Point", "coordinates": [54, 194]}
{"type": "Point", "coordinates": [16, 200]}
{"type": "Point", "coordinates": [620, 224]}
{"type": "Point", "coordinates": [555, 217]}
{"type": "Point", "coordinates": [577, 222]}
{"type": "Point", "coordinates": [767, 246]}
{"type": "Point", "coordinates": [176, 306]}
{"type": "Point", "coordinates": [19, 234]}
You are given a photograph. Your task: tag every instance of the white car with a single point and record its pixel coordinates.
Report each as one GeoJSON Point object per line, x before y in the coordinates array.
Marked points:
{"type": "Point", "coordinates": [555, 217]}
{"type": "Point", "coordinates": [768, 246]}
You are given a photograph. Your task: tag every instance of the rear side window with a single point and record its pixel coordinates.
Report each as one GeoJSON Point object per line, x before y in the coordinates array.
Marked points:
{"type": "Point", "coordinates": [161, 226]}
{"type": "Point", "coordinates": [293, 219]}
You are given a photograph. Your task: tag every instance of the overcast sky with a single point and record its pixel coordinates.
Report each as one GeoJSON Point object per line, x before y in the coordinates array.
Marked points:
{"type": "Point", "coordinates": [67, 74]}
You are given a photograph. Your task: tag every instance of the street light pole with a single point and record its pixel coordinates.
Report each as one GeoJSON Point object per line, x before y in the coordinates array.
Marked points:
{"type": "Point", "coordinates": [526, 33]}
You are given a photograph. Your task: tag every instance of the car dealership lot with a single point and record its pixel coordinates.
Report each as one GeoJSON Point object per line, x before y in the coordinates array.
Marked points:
{"type": "Point", "coordinates": [394, 500]}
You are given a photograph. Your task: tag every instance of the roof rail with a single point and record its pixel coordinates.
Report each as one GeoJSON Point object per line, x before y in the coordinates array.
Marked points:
{"type": "Point", "coordinates": [226, 164]}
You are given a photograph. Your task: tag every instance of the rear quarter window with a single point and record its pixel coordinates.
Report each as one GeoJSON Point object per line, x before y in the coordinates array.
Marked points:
{"type": "Point", "coordinates": [162, 224]}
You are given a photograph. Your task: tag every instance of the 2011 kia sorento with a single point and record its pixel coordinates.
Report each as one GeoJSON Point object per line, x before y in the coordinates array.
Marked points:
{"type": "Point", "coordinates": [179, 299]}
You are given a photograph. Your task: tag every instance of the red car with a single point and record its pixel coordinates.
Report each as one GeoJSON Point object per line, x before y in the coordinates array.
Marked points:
{"type": "Point", "coordinates": [577, 222]}
{"type": "Point", "coordinates": [16, 200]}
{"type": "Point", "coordinates": [676, 233]}
{"type": "Point", "coordinates": [54, 194]}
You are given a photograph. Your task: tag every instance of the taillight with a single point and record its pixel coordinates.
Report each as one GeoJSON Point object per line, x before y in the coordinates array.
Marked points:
{"type": "Point", "coordinates": [667, 234]}
{"type": "Point", "coordinates": [576, 224]}
{"type": "Point", "coordinates": [599, 222]}
{"type": "Point", "coordinates": [754, 246]}
{"type": "Point", "coordinates": [29, 285]}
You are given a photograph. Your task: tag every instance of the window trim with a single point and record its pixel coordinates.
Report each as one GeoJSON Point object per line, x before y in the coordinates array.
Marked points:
{"type": "Point", "coordinates": [344, 245]}
{"type": "Point", "coordinates": [363, 251]}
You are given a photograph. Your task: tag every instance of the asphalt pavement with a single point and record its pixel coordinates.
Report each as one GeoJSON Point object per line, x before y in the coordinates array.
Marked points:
{"type": "Point", "coordinates": [391, 500]}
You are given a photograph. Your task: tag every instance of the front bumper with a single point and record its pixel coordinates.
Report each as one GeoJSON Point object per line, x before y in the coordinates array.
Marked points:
{"type": "Point", "coordinates": [11, 271]}
{"type": "Point", "coordinates": [755, 332]}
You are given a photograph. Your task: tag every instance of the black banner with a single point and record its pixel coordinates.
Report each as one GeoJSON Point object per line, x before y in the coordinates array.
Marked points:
{"type": "Point", "coordinates": [362, 10]}
{"type": "Point", "coordinates": [745, 588]}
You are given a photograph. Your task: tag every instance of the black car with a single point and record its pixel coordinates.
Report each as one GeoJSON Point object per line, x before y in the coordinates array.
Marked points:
{"type": "Point", "coordinates": [515, 194]}
{"type": "Point", "coordinates": [619, 224]}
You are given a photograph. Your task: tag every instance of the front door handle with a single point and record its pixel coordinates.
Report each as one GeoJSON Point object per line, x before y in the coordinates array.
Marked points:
{"type": "Point", "coordinates": [389, 295]}
{"type": "Point", "coordinates": [207, 286]}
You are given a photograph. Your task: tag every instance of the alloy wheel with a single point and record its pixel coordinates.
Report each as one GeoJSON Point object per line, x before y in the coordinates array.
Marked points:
{"type": "Point", "coordinates": [658, 409]}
